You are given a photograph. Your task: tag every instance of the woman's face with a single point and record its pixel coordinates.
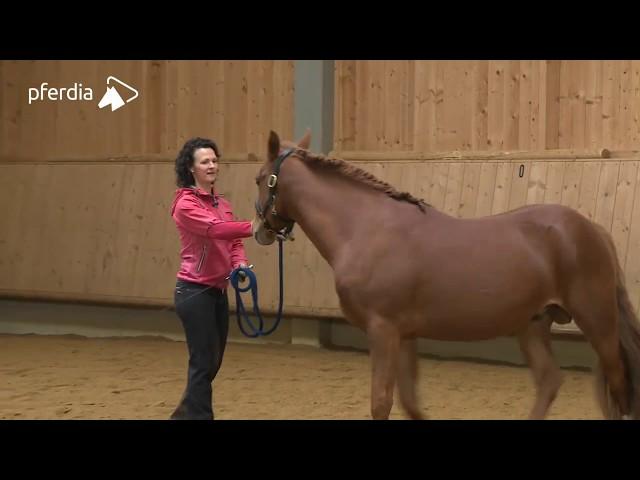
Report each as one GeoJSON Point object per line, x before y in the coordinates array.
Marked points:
{"type": "Point", "coordinates": [205, 166]}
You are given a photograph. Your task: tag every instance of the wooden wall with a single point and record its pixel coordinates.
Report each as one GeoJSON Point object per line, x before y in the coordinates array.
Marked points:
{"type": "Point", "coordinates": [234, 102]}
{"type": "Point", "coordinates": [118, 242]}
{"type": "Point", "coordinates": [86, 192]}
{"type": "Point", "coordinates": [104, 234]}
{"type": "Point", "coordinates": [440, 106]}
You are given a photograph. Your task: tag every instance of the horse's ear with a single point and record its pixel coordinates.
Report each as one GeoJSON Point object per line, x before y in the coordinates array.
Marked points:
{"type": "Point", "coordinates": [305, 141]}
{"type": "Point", "coordinates": [274, 145]}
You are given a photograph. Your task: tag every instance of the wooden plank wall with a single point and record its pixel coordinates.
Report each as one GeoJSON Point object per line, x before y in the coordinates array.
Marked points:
{"type": "Point", "coordinates": [440, 106]}
{"type": "Point", "coordinates": [234, 102]}
{"type": "Point", "coordinates": [86, 191]}
{"type": "Point", "coordinates": [119, 243]}
{"type": "Point", "coordinates": [83, 224]}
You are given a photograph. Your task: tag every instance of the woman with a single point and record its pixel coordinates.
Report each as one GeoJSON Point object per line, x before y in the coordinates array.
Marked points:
{"type": "Point", "coordinates": [211, 247]}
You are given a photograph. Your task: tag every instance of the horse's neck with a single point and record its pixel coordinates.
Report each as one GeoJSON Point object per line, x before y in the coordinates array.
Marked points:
{"type": "Point", "coordinates": [325, 210]}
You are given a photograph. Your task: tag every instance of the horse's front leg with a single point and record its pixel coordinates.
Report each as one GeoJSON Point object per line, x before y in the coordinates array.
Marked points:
{"type": "Point", "coordinates": [407, 378]}
{"type": "Point", "coordinates": [384, 342]}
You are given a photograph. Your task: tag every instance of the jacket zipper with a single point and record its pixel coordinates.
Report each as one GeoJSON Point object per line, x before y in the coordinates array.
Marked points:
{"type": "Point", "coordinates": [202, 256]}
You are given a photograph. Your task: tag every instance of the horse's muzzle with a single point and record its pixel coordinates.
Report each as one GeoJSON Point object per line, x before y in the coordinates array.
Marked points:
{"type": "Point", "coordinates": [263, 236]}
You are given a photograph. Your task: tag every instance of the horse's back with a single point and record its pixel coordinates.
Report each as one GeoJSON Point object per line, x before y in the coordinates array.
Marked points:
{"type": "Point", "coordinates": [551, 222]}
{"type": "Point", "coordinates": [538, 211]}
{"type": "Point", "coordinates": [561, 235]}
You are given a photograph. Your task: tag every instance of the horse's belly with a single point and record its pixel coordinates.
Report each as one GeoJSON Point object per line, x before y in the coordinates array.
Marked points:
{"type": "Point", "coordinates": [480, 317]}
{"type": "Point", "coordinates": [470, 328]}
{"type": "Point", "coordinates": [485, 299]}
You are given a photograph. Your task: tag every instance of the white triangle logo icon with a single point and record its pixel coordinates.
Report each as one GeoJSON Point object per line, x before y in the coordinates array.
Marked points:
{"type": "Point", "coordinates": [113, 98]}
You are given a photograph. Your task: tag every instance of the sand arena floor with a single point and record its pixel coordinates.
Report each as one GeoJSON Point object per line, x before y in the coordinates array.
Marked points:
{"type": "Point", "coordinates": [68, 377]}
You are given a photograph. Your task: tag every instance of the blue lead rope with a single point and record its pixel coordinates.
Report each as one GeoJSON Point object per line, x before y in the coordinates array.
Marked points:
{"type": "Point", "coordinates": [253, 286]}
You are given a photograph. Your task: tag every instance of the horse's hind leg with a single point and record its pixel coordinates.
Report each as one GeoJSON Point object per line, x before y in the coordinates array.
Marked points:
{"type": "Point", "coordinates": [613, 368]}
{"type": "Point", "coordinates": [535, 343]}
{"type": "Point", "coordinates": [601, 329]}
{"type": "Point", "coordinates": [384, 342]}
{"type": "Point", "coordinates": [407, 376]}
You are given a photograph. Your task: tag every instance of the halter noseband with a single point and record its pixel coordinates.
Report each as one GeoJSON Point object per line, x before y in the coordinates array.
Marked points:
{"type": "Point", "coordinates": [271, 202]}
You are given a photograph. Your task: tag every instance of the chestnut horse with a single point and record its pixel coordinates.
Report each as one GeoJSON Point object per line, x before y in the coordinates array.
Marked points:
{"type": "Point", "coordinates": [405, 270]}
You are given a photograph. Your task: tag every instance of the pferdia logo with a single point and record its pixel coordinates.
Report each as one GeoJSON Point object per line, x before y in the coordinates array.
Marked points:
{"type": "Point", "coordinates": [112, 97]}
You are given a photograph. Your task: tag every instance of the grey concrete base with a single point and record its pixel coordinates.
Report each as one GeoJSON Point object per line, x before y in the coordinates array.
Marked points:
{"type": "Point", "coordinates": [46, 318]}
{"type": "Point", "coordinates": [570, 353]}
{"type": "Point", "coordinates": [308, 331]}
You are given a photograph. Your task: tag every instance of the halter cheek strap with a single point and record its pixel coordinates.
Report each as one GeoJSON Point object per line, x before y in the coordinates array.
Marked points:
{"type": "Point", "coordinates": [272, 183]}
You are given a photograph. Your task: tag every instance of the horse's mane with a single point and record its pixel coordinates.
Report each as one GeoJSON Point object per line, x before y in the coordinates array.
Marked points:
{"type": "Point", "coordinates": [351, 171]}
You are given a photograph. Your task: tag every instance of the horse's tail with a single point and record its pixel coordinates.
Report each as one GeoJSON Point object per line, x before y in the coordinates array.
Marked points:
{"type": "Point", "coordinates": [629, 331]}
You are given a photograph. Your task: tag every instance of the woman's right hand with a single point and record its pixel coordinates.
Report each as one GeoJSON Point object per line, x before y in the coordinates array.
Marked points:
{"type": "Point", "coordinates": [255, 225]}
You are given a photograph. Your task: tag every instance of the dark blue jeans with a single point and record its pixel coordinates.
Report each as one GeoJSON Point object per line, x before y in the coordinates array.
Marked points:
{"type": "Point", "coordinates": [204, 313]}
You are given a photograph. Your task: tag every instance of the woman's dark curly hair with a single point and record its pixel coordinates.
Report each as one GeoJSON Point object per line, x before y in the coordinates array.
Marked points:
{"type": "Point", "coordinates": [184, 160]}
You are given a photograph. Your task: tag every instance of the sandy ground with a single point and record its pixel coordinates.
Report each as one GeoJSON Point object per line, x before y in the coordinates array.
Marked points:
{"type": "Point", "coordinates": [66, 377]}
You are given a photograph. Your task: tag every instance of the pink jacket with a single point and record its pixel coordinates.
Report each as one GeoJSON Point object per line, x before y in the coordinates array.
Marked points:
{"type": "Point", "coordinates": [209, 236]}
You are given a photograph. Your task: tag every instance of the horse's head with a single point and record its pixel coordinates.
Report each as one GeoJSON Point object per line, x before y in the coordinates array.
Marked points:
{"type": "Point", "coordinates": [270, 211]}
